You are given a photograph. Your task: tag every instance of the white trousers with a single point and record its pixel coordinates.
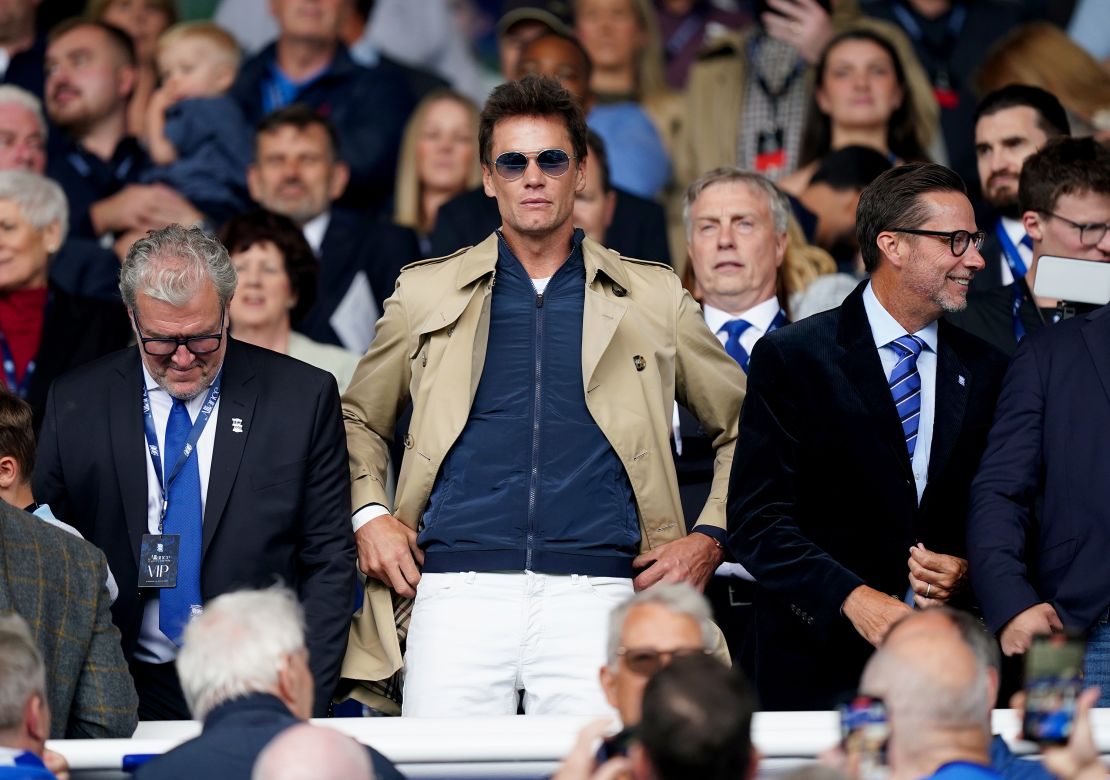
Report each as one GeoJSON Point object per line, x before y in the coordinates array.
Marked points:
{"type": "Point", "coordinates": [477, 638]}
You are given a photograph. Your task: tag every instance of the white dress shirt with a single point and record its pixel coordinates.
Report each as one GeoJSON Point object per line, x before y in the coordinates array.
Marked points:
{"type": "Point", "coordinates": [884, 329]}
{"type": "Point", "coordinates": [315, 229]}
{"type": "Point", "coordinates": [154, 646]}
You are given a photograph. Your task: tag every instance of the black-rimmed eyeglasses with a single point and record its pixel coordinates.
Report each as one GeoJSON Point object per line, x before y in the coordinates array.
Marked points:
{"type": "Point", "coordinates": [1090, 233]}
{"type": "Point", "coordinates": [512, 165]}
{"type": "Point", "coordinates": [204, 344]}
{"type": "Point", "coordinates": [958, 240]}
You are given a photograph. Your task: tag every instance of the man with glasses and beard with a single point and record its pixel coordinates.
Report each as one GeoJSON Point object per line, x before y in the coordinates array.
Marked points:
{"type": "Point", "coordinates": [537, 488]}
{"type": "Point", "coordinates": [200, 465]}
{"type": "Point", "coordinates": [861, 432]}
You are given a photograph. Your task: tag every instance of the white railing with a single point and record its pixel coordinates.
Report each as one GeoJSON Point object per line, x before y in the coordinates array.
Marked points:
{"type": "Point", "coordinates": [518, 747]}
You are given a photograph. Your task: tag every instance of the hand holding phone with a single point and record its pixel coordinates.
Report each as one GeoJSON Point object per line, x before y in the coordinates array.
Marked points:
{"type": "Point", "coordinates": [1053, 682]}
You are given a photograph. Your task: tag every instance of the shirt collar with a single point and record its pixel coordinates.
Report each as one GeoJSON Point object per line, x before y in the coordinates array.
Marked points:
{"type": "Point", "coordinates": [315, 229]}
{"type": "Point", "coordinates": [759, 316]}
{"type": "Point", "coordinates": [884, 328]}
{"type": "Point", "coordinates": [153, 388]}
{"type": "Point", "coordinates": [1015, 229]}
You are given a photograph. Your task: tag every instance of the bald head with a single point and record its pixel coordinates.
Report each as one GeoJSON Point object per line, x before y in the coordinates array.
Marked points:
{"type": "Point", "coordinates": [307, 752]}
{"type": "Point", "coordinates": [937, 682]}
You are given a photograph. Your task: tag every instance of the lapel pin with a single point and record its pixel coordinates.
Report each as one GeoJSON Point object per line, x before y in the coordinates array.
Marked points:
{"type": "Point", "coordinates": [639, 362]}
{"type": "Point", "coordinates": [237, 423]}
{"type": "Point", "coordinates": [961, 380]}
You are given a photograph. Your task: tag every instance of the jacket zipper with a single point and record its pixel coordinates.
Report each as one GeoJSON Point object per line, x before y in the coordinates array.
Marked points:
{"type": "Point", "coordinates": [537, 400]}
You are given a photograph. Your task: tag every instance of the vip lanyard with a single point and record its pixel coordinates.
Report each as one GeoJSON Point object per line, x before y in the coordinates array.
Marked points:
{"type": "Point", "coordinates": [1018, 269]}
{"type": "Point", "coordinates": [165, 483]}
{"type": "Point", "coordinates": [943, 88]}
{"type": "Point", "coordinates": [777, 322]}
{"type": "Point", "coordinates": [10, 376]}
{"type": "Point", "coordinates": [773, 95]}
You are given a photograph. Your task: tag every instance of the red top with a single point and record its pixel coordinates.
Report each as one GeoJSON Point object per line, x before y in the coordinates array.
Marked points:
{"type": "Point", "coordinates": [21, 316]}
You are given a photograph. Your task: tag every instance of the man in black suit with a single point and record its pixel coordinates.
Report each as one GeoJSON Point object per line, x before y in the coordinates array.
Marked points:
{"type": "Point", "coordinates": [297, 172]}
{"type": "Point", "coordinates": [247, 697]}
{"type": "Point", "coordinates": [861, 432]}
{"type": "Point", "coordinates": [1038, 530]}
{"type": "Point", "coordinates": [254, 484]}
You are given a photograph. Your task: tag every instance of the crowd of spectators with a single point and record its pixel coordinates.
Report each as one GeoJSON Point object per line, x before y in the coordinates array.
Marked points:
{"type": "Point", "coordinates": [495, 357]}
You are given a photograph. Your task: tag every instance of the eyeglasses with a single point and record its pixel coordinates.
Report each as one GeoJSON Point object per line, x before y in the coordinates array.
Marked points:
{"type": "Point", "coordinates": [646, 662]}
{"type": "Point", "coordinates": [198, 345]}
{"type": "Point", "coordinates": [1089, 234]}
{"type": "Point", "coordinates": [512, 165]}
{"type": "Point", "coordinates": [958, 240]}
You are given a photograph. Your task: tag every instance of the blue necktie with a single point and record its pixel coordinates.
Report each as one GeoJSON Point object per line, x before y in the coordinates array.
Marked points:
{"type": "Point", "coordinates": [734, 329]}
{"type": "Point", "coordinates": [183, 517]}
{"type": "Point", "coordinates": [905, 386]}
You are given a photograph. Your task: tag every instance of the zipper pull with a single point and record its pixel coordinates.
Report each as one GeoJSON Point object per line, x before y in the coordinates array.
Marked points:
{"type": "Point", "coordinates": [539, 300]}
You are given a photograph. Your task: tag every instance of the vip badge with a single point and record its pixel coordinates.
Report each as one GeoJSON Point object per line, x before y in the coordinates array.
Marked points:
{"type": "Point", "coordinates": [236, 424]}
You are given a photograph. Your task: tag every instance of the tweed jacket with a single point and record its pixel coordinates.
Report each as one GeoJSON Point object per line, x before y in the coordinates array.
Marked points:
{"type": "Point", "coordinates": [55, 581]}
{"type": "Point", "coordinates": [644, 345]}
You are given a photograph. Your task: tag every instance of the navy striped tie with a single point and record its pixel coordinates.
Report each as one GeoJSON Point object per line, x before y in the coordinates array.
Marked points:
{"type": "Point", "coordinates": [905, 386]}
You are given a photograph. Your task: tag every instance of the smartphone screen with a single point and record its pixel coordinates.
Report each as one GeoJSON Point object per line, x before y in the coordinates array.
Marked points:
{"type": "Point", "coordinates": [1053, 681]}
{"type": "Point", "coordinates": [864, 732]}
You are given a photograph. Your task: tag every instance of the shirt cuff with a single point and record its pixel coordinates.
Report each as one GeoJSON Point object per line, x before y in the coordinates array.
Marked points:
{"type": "Point", "coordinates": [366, 514]}
{"type": "Point", "coordinates": [719, 535]}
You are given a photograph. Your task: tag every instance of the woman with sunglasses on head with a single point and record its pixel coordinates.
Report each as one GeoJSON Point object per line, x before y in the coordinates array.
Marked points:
{"type": "Point", "coordinates": [870, 91]}
{"type": "Point", "coordinates": [44, 331]}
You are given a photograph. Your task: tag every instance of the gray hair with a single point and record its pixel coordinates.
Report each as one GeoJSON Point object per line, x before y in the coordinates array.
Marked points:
{"type": "Point", "coordinates": [193, 256]}
{"type": "Point", "coordinates": [40, 199]}
{"type": "Point", "coordinates": [678, 597]}
{"type": "Point", "coordinates": [238, 646]}
{"type": "Point", "coordinates": [305, 752]}
{"type": "Point", "coordinates": [22, 674]}
{"type": "Point", "coordinates": [776, 198]}
{"type": "Point", "coordinates": [11, 94]}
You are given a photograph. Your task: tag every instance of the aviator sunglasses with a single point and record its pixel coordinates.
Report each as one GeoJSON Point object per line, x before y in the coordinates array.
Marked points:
{"type": "Point", "coordinates": [512, 165]}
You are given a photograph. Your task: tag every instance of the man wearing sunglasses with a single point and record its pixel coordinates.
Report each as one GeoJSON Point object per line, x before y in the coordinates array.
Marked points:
{"type": "Point", "coordinates": [1037, 535]}
{"type": "Point", "coordinates": [201, 465]}
{"type": "Point", "coordinates": [861, 432]}
{"type": "Point", "coordinates": [537, 488]}
{"type": "Point", "coordinates": [1064, 197]}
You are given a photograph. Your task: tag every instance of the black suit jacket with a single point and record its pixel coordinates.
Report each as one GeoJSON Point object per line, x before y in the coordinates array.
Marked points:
{"type": "Point", "coordinates": [989, 315]}
{"type": "Point", "coordinates": [75, 331]}
{"type": "Point", "coordinates": [235, 733]}
{"type": "Point", "coordinates": [639, 226]}
{"type": "Point", "coordinates": [354, 242]}
{"type": "Point", "coordinates": [1039, 528]}
{"type": "Point", "coordinates": [278, 505]}
{"type": "Point", "coordinates": [822, 497]}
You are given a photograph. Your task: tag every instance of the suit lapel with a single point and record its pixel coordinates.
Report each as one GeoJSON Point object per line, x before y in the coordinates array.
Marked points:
{"type": "Point", "coordinates": [953, 386]}
{"type": "Point", "coordinates": [1096, 335]}
{"type": "Point", "coordinates": [125, 427]}
{"type": "Point", "coordinates": [861, 365]}
{"type": "Point", "coordinates": [238, 395]}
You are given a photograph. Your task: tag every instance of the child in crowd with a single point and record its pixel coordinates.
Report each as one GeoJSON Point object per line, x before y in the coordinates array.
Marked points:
{"type": "Point", "coordinates": [195, 134]}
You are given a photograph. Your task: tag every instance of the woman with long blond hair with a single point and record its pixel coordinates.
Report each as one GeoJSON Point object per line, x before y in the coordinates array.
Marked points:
{"type": "Point", "coordinates": [439, 160]}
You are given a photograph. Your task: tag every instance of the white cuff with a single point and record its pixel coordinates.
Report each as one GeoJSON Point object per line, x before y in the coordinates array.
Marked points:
{"type": "Point", "coordinates": [366, 514]}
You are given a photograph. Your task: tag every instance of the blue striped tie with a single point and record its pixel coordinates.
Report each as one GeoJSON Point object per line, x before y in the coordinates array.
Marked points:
{"type": "Point", "coordinates": [905, 386]}
{"type": "Point", "coordinates": [735, 329]}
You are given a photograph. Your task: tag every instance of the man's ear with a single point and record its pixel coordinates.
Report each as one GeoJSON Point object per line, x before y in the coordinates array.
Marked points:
{"type": "Point", "coordinates": [487, 181]}
{"type": "Point", "coordinates": [253, 183]}
{"type": "Point", "coordinates": [340, 175]}
{"type": "Point", "coordinates": [36, 717]}
{"type": "Point", "coordinates": [893, 248]}
{"type": "Point", "coordinates": [9, 472]}
{"type": "Point", "coordinates": [1032, 222]}
{"type": "Point", "coordinates": [609, 685]}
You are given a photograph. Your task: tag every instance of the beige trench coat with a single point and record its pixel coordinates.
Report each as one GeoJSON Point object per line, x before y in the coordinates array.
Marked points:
{"type": "Point", "coordinates": [644, 345]}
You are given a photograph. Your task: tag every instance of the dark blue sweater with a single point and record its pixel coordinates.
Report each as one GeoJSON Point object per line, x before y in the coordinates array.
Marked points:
{"type": "Point", "coordinates": [532, 482]}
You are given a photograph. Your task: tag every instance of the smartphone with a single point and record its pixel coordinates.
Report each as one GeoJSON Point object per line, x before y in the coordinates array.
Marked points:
{"type": "Point", "coordinates": [618, 744]}
{"type": "Point", "coordinates": [864, 733]}
{"type": "Point", "coordinates": [1072, 280]}
{"type": "Point", "coordinates": [1053, 681]}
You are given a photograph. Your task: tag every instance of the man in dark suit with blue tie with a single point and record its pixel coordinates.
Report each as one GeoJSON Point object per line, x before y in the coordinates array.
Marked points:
{"type": "Point", "coordinates": [859, 437]}
{"type": "Point", "coordinates": [1039, 529]}
{"type": "Point", "coordinates": [201, 465]}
